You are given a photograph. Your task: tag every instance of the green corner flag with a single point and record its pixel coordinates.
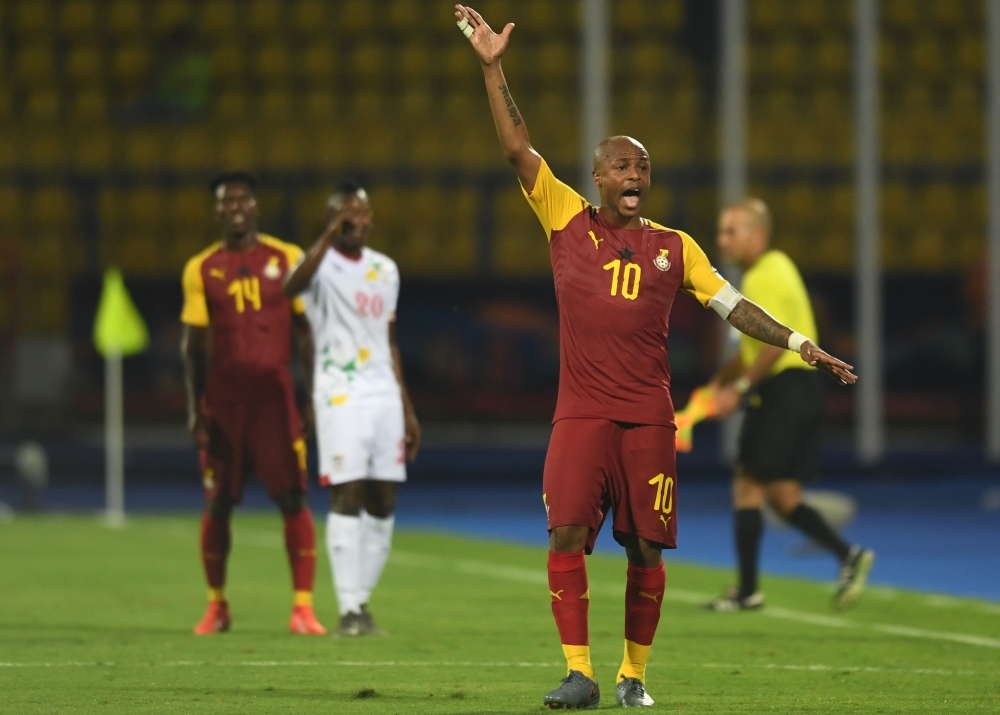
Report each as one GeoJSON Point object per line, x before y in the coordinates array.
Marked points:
{"type": "Point", "coordinates": [119, 326]}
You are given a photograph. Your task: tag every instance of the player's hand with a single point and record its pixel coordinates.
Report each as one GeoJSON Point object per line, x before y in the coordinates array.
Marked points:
{"type": "Point", "coordinates": [198, 429]}
{"type": "Point", "coordinates": [837, 369]}
{"type": "Point", "coordinates": [412, 438]}
{"type": "Point", "coordinates": [308, 420]}
{"type": "Point", "coordinates": [344, 222]}
{"type": "Point", "coordinates": [487, 44]}
{"type": "Point", "coordinates": [727, 401]}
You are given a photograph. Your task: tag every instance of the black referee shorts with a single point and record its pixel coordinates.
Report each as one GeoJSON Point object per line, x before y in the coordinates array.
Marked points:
{"type": "Point", "coordinates": [781, 432]}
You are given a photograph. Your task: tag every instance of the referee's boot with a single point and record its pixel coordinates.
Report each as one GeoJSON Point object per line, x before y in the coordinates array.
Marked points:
{"type": "Point", "coordinates": [731, 602]}
{"type": "Point", "coordinates": [853, 576]}
{"type": "Point", "coordinates": [577, 692]}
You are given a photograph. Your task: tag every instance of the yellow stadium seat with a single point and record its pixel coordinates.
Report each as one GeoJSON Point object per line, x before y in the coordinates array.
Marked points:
{"type": "Point", "coordinates": [131, 66]}
{"type": "Point", "coordinates": [519, 248]}
{"type": "Point", "coordinates": [110, 215]}
{"type": "Point", "coordinates": [94, 151]}
{"type": "Point", "coordinates": [810, 15]}
{"type": "Point", "coordinates": [79, 19]}
{"type": "Point", "coordinates": [766, 15]}
{"type": "Point", "coordinates": [265, 17]}
{"type": "Point", "coordinates": [231, 106]}
{"type": "Point", "coordinates": [659, 204]}
{"type": "Point", "coordinates": [125, 19]}
{"type": "Point", "coordinates": [496, 12]}
{"type": "Point", "coordinates": [668, 15]}
{"type": "Point", "coordinates": [890, 59]}
{"type": "Point", "coordinates": [239, 150]}
{"type": "Point", "coordinates": [897, 207]}
{"type": "Point", "coordinates": [191, 207]}
{"type": "Point", "coordinates": [9, 150]}
{"type": "Point", "coordinates": [139, 253]}
{"type": "Point", "coordinates": [285, 149]}
{"type": "Point", "coordinates": [45, 150]}
{"type": "Point", "coordinates": [218, 18]}
{"type": "Point", "coordinates": [310, 213]}
{"type": "Point", "coordinates": [170, 16]}
{"type": "Point", "coordinates": [938, 207]}
{"type": "Point", "coordinates": [33, 18]}
{"type": "Point", "coordinates": [557, 64]}
{"type": "Point", "coordinates": [927, 56]}
{"type": "Point", "coordinates": [355, 17]}
{"type": "Point", "coordinates": [630, 16]}
{"type": "Point", "coordinates": [415, 104]}
{"type": "Point", "coordinates": [84, 65]}
{"type": "Point", "coordinates": [273, 65]}
{"type": "Point", "coordinates": [460, 66]}
{"type": "Point", "coordinates": [835, 250]}
{"type": "Point", "coordinates": [43, 106]}
{"type": "Point", "coordinates": [801, 206]}
{"type": "Point", "coordinates": [947, 14]}
{"type": "Point", "coordinates": [318, 64]}
{"type": "Point", "coordinates": [11, 210]}
{"type": "Point", "coordinates": [648, 60]}
{"type": "Point", "coordinates": [89, 106]}
{"type": "Point", "coordinates": [787, 58]}
{"type": "Point", "coordinates": [228, 64]}
{"type": "Point", "coordinates": [375, 145]}
{"type": "Point", "coordinates": [144, 149]}
{"type": "Point", "coordinates": [971, 54]}
{"type": "Point", "coordinates": [35, 65]}
{"type": "Point", "coordinates": [543, 16]}
{"type": "Point", "coordinates": [414, 61]}
{"type": "Point", "coordinates": [320, 106]}
{"type": "Point", "coordinates": [902, 14]}
{"type": "Point", "coordinates": [404, 15]}
{"type": "Point", "coordinates": [53, 210]}
{"type": "Point", "coordinates": [329, 147]}
{"type": "Point", "coordinates": [193, 150]}
{"type": "Point", "coordinates": [274, 107]}
{"type": "Point", "coordinates": [368, 61]}
{"type": "Point", "coordinates": [309, 17]}
{"type": "Point", "coordinates": [367, 107]}
{"type": "Point", "coordinates": [833, 57]}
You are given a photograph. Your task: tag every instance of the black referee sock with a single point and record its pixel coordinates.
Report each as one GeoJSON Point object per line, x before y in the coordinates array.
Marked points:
{"type": "Point", "coordinates": [811, 523]}
{"type": "Point", "coordinates": [749, 527]}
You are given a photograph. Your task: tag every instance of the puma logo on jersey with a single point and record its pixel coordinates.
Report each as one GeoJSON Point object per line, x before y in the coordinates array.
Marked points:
{"type": "Point", "coordinates": [666, 521]}
{"type": "Point", "coordinates": [654, 597]}
{"type": "Point", "coordinates": [217, 273]}
{"type": "Point", "coordinates": [557, 594]}
{"type": "Point", "coordinates": [662, 261]}
{"type": "Point", "coordinates": [595, 239]}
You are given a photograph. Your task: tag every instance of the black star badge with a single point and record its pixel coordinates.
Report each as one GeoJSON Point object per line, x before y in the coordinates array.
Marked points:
{"type": "Point", "coordinates": [625, 254]}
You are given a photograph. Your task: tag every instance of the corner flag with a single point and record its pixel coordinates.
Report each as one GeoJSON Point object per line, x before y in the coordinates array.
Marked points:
{"type": "Point", "coordinates": [119, 326]}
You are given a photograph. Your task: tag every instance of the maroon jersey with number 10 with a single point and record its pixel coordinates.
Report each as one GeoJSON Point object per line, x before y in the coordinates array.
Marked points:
{"type": "Point", "coordinates": [615, 288]}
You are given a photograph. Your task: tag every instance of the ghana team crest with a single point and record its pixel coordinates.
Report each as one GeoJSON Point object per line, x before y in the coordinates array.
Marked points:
{"type": "Point", "coordinates": [662, 261]}
{"type": "Point", "coordinates": [272, 270]}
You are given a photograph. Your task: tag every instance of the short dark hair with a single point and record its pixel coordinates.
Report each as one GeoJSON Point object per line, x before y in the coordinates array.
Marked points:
{"type": "Point", "coordinates": [226, 177]}
{"type": "Point", "coordinates": [346, 188]}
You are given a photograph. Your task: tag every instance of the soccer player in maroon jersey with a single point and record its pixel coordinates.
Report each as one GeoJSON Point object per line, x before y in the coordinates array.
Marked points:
{"type": "Point", "coordinates": [237, 341]}
{"type": "Point", "coordinates": [612, 445]}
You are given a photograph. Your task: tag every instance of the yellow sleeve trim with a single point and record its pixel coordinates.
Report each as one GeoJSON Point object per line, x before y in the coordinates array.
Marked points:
{"type": "Point", "coordinates": [293, 254]}
{"type": "Point", "coordinates": [195, 310]}
{"type": "Point", "coordinates": [700, 279]}
{"type": "Point", "coordinates": [553, 202]}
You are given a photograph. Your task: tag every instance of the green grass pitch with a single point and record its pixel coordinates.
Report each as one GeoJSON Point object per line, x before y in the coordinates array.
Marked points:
{"type": "Point", "coordinates": [95, 620]}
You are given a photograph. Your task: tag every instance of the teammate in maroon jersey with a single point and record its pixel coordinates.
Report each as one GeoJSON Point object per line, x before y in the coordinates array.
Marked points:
{"type": "Point", "coordinates": [612, 446]}
{"type": "Point", "coordinates": [238, 331]}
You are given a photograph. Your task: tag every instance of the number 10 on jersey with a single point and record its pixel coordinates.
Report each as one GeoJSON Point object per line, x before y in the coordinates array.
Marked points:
{"type": "Point", "coordinates": [630, 278]}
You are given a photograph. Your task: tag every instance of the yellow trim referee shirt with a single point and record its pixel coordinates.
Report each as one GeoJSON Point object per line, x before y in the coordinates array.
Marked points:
{"type": "Point", "coordinates": [774, 283]}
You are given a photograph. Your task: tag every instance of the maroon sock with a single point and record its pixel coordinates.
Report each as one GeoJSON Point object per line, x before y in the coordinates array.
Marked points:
{"type": "Point", "coordinates": [300, 542]}
{"type": "Point", "coordinates": [570, 596]}
{"type": "Point", "coordinates": [643, 597]}
{"type": "Point", "coordinates": [214, 549]}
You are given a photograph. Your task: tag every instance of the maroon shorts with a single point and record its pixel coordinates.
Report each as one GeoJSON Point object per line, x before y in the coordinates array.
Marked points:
{"type": "Point", "coordinates": [595, 466]}
{"type": "Point", "coordinates": [263, 435]}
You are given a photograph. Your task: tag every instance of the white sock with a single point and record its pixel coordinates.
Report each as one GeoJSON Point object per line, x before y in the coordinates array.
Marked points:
{"type": "Point", "coordinates": [376, 540]}
{"type": "Point", "coordinates": [343, 543]}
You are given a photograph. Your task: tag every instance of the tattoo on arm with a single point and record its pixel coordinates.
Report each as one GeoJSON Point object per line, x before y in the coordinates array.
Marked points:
{"type": "Point", "coordinates": [511, 108]}
{"type": "Point", "coordinates": [751, 319]}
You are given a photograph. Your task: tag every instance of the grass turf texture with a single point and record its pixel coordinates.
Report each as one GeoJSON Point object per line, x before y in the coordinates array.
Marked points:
{"type": "Point", "coordinates": [98, 620]}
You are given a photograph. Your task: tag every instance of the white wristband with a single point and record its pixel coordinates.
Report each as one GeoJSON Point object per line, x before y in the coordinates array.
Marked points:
{"type": "Point", "coordinates": [466, 28]}
{"type": "Point", "coordinates": [795, 341]}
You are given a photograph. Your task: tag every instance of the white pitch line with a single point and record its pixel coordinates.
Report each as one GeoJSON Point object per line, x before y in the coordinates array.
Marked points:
{"type": "Point", "coordinates": [537, 577]}
{"type": "Point", "coordinates": [808, 668]}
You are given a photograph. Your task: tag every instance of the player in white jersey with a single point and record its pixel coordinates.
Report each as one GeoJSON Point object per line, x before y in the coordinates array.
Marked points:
{"type": "Point", "coordinates": [365, 424]}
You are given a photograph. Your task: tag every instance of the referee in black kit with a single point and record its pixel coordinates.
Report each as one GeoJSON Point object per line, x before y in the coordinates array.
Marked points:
{"type": "Point", "coordinates": [785, 401]}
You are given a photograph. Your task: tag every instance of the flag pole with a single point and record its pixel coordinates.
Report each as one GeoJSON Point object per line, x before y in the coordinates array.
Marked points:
{"type": "Point", "coordinates": [114, 439]}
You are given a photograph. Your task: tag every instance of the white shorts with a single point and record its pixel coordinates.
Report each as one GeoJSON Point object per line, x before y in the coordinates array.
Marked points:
{"type": "Point", "coordinates": [361, 439]}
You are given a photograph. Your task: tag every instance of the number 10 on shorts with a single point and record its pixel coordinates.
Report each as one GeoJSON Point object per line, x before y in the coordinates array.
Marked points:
{"type": "Point", "coordinates": [664, 493]}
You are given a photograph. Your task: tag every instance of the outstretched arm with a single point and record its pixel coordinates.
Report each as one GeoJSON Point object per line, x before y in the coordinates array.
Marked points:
{"type": "Point", "coordinates": [489, 46]}
{"type": "Point", "coordinates": [751, 319]}
{"type": "Point", "coordinates": [301, 275]}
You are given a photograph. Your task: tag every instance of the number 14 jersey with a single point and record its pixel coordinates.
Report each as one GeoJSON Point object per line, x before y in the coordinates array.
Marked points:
{"type": "Point", "coordinates": [615, 288]}
{"type": "Point", "coordinates": [350, 304]}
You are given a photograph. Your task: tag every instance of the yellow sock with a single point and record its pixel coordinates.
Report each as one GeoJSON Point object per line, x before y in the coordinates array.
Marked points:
{"type": "Point", "coordinates": [634, 662]}
{"type": "Point", "coordinates": [578, 658]}
{"type": "Point", "coordinates": [303, 598]}
{"type": "Point", "coordinates": [215, 595]}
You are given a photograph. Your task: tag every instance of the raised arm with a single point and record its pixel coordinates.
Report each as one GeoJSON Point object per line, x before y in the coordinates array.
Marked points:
{"type": "Point", "coordinates": [300, 276]}
{"type": "Point", "coordinates": [750, 319]}
{"type": "Point", "coordinates": [489, 46]}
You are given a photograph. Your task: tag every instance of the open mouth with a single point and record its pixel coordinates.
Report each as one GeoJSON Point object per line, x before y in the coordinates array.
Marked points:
{"type": "Point", "coordinates": [630, 198]}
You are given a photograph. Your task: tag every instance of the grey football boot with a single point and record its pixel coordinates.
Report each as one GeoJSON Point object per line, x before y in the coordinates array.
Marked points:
{"type": "Point", "coordinates": [731, 601]}
{"type": "Point", "coordinates": [367, 623]}
{"type": "Point", "coordinates": [631, 693]}
{"type": "Point", "coordinates": [350, 626]}
{"type": "Point", "coordinates": [577, 692]}
{"type": "Point", "coordinates": [853, 575]}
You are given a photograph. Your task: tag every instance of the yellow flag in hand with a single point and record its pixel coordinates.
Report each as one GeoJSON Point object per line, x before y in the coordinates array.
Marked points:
{"type": "Point", "coordinates": [119, 326]}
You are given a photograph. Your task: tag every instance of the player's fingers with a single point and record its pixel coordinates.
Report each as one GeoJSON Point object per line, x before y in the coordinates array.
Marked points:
{"type": "Point", "coordinates": [507, 30]}
{"type": "Point", "coordinates": [476, 16]}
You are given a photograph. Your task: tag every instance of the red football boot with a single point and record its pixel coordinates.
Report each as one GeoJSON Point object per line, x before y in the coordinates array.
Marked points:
{"type": "Point", "coordinates": [303, 622]}
{"type": "Point", "coordinates": [215, 620]}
